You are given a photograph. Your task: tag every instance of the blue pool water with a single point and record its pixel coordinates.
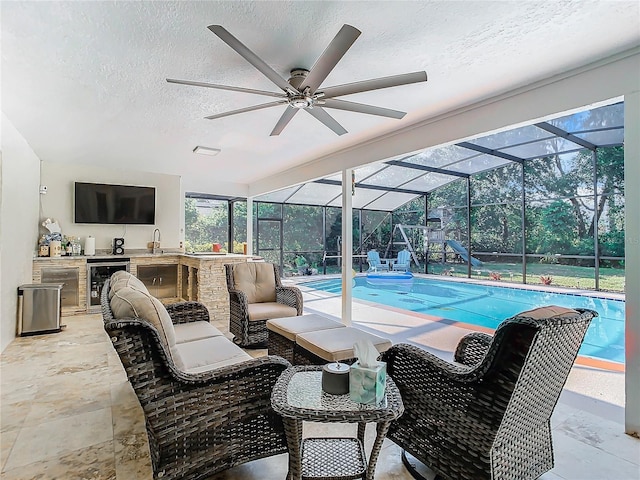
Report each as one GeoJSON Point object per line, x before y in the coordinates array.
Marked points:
{"type": "Point", "coordinates": [487, 306]}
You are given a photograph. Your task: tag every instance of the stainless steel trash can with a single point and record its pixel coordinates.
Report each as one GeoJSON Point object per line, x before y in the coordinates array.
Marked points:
{"type": "Point", "coordinates": [39, 308]}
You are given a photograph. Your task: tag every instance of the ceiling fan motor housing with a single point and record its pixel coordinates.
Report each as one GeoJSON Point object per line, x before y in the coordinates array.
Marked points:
{"type": "Point", "coordinates": [304, 99]}
{"type": "Point", "coordinates": [297, 77]}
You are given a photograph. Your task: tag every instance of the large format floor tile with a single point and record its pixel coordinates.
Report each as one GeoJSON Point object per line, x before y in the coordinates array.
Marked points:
{"type": "Point", "coordinates": [68, 411]}
{"type": "Point", "coordinates": [49, 440]}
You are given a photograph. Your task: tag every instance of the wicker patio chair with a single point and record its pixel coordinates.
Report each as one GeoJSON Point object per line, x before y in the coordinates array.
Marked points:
{"type": "Point", "coordinates": [256, 295]}
{"type": "Point", "coordinates": [488, 415]}
{"type": "Point", "coordinates": [197, 424]}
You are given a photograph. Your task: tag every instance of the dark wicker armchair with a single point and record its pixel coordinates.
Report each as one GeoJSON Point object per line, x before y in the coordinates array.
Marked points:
{"type": "Point", "coordinates": [256, 295]}
{"type": "Point", "coordinates": [488, 416]}
{"type": "Point", "coordinates": [200, 423]}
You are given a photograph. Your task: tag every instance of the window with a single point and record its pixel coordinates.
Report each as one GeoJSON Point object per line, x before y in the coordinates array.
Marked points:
{"type": "Point", "coordinates": [206, 224]}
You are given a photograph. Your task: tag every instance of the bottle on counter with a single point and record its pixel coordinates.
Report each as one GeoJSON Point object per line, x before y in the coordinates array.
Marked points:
{"type": "Point", "coordinates": [68, 248]}
{"type": "Point", "coordinates": [43, 247]}
{"type": "Point", "coordinates": [76, 247]}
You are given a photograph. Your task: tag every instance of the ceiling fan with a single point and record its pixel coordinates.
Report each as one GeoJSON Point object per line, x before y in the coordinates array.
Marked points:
{"type": "Point", "coordinates": [302, 91]}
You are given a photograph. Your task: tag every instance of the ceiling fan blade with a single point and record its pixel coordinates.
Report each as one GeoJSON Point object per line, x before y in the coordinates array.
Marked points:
{"type": "Point", "coordinates": [374, 84]}
{"type": "Point", "coordinates": [330, 57]}
{"type": "Point", "coordinates": [247, 109]}
{"type": "Point", "coordinates": [284, 120]}
{"type": "Point", "coordinates": [251, 57]}
{"type": "Point", "coordinates": [362, 108]}
{"type": "Point", "coordinates": [327, 119]}
{"type": "Point", "coordinates": [225, 87]}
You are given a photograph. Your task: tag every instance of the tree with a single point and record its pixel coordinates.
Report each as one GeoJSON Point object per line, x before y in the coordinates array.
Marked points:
{"type": "Point", "coordinates": [201, 230]}
{"type": "Point", "coordinates": [560, 226]}
{"type": "Point", "coordinates": [190, 213]}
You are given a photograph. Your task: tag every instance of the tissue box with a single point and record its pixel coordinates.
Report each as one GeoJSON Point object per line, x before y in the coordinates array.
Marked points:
{"type": "Point", "coordinates": [367, 384]}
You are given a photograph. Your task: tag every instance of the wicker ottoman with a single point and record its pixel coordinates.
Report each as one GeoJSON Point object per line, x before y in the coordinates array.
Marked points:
{"type": "Point", "coordinates": [318, 348]}
{"type": "Point", "coordinates": [283, 332]}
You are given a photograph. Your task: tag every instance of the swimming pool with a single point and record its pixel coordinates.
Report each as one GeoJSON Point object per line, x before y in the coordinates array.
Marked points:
{"type": "Point", "coordinates": [487, 306]}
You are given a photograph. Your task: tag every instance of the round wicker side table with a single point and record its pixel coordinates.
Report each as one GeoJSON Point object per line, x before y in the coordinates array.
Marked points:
{"type": "Point", "coordinates": [298, 396]}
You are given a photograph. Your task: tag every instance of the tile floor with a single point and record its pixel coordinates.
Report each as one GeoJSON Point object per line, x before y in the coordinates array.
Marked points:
{"type": "Point", "coordinates": [68, 412]}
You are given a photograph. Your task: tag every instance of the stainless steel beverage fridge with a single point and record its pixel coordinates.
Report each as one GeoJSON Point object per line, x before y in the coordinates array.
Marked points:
{"type": "Point", "coordinates": [98, 271]}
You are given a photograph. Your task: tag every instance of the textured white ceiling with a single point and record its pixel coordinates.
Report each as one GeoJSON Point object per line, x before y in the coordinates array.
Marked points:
{"type": "Point", "coordinates": [84, 82]}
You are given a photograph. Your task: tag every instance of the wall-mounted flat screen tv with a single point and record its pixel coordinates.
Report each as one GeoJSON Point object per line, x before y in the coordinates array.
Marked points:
{"type": "Point", "coordinates": [114, 204]}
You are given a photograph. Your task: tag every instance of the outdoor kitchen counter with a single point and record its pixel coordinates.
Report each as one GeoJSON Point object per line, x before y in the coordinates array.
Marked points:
{"type": "Point", "coordinates": [201, 277]}
{"type": "Point", "coordinates": [204, 280]}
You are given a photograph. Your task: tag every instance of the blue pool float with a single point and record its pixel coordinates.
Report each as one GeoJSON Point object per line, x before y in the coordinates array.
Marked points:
{"type": "Point", "coordinates": [390, 275]}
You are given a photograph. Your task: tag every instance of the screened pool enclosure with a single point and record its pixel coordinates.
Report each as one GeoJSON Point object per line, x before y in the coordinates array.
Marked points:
{"type": "Point", "coordinates": [538, 204]}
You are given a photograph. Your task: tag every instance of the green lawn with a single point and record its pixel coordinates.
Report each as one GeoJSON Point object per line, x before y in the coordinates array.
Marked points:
{"type": "Point", "coordinates": [611, 279]}
{"type": "Point", "coordinates": [566, 276]}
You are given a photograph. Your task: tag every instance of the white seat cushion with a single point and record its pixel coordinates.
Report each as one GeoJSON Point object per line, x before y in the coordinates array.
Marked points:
{"type": "Point", "coordinates": [337, 344]}
{"type": "Point", "coordinates": [208, 354]}
{"type": "Point", "coordinates": [267, 310]}
{"type": "Point", "coordinates": [289, 327]}
{"type": "Point", "coordinates": [188, 332]}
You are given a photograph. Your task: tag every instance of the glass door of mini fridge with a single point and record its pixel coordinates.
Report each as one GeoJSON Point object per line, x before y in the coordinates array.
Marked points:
{"type": "Point", "coordinates": [97, 274]}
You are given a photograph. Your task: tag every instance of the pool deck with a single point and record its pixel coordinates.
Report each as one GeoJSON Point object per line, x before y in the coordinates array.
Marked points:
{"type": "Point", "coordinates": [426, 319]}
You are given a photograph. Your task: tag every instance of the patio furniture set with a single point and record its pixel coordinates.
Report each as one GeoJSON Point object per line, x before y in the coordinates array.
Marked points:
{"type": "Point", "coordinates": [209, 406]}
{"type": "Point", "coordinates": [400, 264]}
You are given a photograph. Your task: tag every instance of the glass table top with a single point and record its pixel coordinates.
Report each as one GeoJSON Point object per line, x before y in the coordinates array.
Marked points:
{"type": "Point", "coordinates": [305, 391]}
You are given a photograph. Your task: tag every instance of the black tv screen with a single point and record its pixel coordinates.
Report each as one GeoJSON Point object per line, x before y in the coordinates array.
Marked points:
{"type": "Point", "coordinates": [115, 204]}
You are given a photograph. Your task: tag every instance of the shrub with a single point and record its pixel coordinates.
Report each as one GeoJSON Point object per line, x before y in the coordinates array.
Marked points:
{"type": "Point", "coordinates": [549, 258]}
{"type": "Point", "coordinates": [300, 261]}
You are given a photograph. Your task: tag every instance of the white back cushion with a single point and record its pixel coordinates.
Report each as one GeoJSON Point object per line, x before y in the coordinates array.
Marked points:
{"type": "Point", "coordinates": [256, 280]}
{"type": "Point", "coordinates": [128, 302]}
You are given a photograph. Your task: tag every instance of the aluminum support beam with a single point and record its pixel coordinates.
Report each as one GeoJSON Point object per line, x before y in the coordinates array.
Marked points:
{"type": "Point", "coordinates": [347, 246]}
{"type": "Point", "coordinates": [523, 226]}
{"type": "Point", "coordinates": [250, 226]}
{"type": "Point", "coordinates": [632, 261]}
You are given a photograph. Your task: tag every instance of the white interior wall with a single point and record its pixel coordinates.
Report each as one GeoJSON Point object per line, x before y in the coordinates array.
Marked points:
{"type": "Point", "coordinates": [58, 204]}
{"type": "Point", "coordinates": [19, 181]}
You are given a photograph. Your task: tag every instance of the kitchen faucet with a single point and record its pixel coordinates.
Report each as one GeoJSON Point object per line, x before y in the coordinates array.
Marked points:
{"type": "Point", "coordinates": [156, 243]}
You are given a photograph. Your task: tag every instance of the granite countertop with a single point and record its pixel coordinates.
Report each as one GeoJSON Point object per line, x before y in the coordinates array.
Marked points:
{"type": "Point", "coordinates": [133, 253]}
{"type": "Point", "coordinates": [146, 254]}
{"type": "Point", "coordinates": [215, 255]}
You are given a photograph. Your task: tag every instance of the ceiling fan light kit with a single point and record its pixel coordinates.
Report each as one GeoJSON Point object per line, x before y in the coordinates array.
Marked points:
{"type": "Point", "coordinates": [302, 91]}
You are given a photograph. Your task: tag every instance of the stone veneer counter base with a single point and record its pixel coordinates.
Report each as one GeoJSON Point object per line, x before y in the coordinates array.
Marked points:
{"type": "Point", "coordinates": [200, 277]}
